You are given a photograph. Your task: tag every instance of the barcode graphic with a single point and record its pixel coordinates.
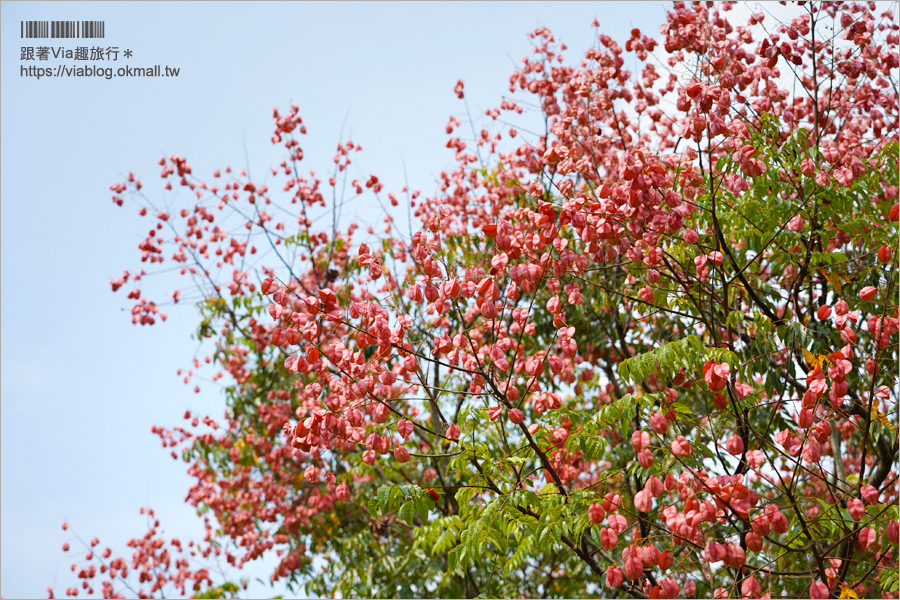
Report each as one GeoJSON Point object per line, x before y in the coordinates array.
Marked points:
{"type": "Point", "coordinates": [62, 29]}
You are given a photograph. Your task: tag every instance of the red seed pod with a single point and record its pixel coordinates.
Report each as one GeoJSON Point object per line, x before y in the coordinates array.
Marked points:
{"type": "Point", "coordinates": [643, 501]}
{"type": "Point", "coordinates": [617, 523]}
{"type": "Point", "coordinates": [681, 447]}
{"type": "Point", "coordinates": [848, 336]}
{"type": "Point", "coordinates": [716, 375]}
{"type": "Point", "coordinates": [868, 293]}
{"type": "Point", "coordinates": [867, 537]}
{"type": "Point", "coordinates": [734, 556]}
{"type": "Point", "coordinates": [516, 416]}
{"type": "Point", "coordinates": [645, 458]}
{"type": "Point", "coordinates": [611, 502]}
{"type": "Point", "coordinates": [871, 366]}
{"type": "Point", "coordinates": [856, 508]}
{"type": "Point", "coordinates": [824, 312]}
{"type": "Point", "coordinates": [609, 539]}
{"type": "Point", "coordinates": [817, 589]}
{"type": "Point", "coordinates": [893, 532]}
{"type": "Point", "coordinates": [654, 486]}
{"type": "Point", "coordinates": [779, 522]}
{"type": "Point", "coordinates": [649, 555]}
{"type": "Point", "coordinates": [841, 307]}
{"type": "Point", "coordinates": [734, 445]}
{"type": "Point", "coordinates": [884, 254]}
{"type": "Point", "coordinates": [596, 514]}
{"type": "Point", "coordinates": [401, 454]}
{"type": "Point", "coordinates": [714, 552]}
{"type": "Point", "coordinates": [640, 440]}
{"type": "Point", "coordinates": [751, 588]}
{"type": "Point", "coordinates": [670, 588]}
{"type": "Point", "coordinates": [268, 287]}
{"type": "Point", "coordinates": [894, 212]}
{"type": "Point", "coordinates": [754, 541]}
{"type": "Point", "coordinates": [512, 394]}
{"type": "Point", "coordinates": [342, 492]}
{"type": "Point", "coordinates": [869, 493]}
{"type": "Point", "coordinates": [405, 428]}
{"type": "Point", "coordinates": [614, 577]}
{"type": "Point", "coordinates": [760, 524]}
{"type": "Point", "coordinates": [659, 423]}
{"type": "Point", "coordinates": [633, 567]}
{"type": "Point", "coordinates": [690, 236]}
{"type": "Point", "coordinates": [804, 418]}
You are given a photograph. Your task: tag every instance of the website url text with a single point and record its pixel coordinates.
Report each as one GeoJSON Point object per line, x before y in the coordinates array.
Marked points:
{"type": "Point", "coordinates": [97, 71]}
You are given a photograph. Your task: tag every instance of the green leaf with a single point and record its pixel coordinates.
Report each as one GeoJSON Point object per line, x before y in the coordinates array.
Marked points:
{"type": "Point", "coordinates": [518, 557]}
{"type": "Point", "coordinates": [453, 558]}
{"type": "Point", "coordinates": [383, 495]}
{"type": "Point", "coordinates": [444, 541]}
{"type": "Point", "coordinates": [665, 360]}
{"type": "Point", "coordinates": [889, 581]}
{"type": "Point", "coordinates": [408, 512]}
{"type": "Point", "coordinates": [734, 318]}
{"type": "Point", "coordinates": [422, 509]}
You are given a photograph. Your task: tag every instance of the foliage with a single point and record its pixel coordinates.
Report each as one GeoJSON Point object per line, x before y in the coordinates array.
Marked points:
{"type": "Point", "coordinates": [651, 352]}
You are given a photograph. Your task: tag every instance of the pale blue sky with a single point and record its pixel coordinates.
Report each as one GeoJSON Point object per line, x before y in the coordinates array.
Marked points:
{"type": "Point", "coordinates": [81, 386]}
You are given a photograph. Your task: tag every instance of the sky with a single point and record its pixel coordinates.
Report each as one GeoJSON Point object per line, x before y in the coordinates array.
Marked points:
{"type": "Point", "coordinates": [80, 386]}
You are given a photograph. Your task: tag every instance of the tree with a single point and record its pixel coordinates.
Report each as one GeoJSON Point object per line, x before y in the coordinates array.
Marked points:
{"type": "Point", "coordinates": [651, 352]}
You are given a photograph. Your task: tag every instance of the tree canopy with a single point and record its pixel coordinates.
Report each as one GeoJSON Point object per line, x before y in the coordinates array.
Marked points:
{"type": "Point", "coordinates": [649, 351]}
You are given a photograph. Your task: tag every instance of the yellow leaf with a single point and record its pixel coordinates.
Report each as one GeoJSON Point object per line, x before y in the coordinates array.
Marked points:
{"type": "Point", "coordinates": [847, 592]}
{"type": "Point", "coordinates": [833, 279]}
{"type": "Point", "coordinates": [816, 360]}
{"type": "Point", "coordinates": [883, 419]}
{"type": "Point", "coordinates": [808, 356]}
